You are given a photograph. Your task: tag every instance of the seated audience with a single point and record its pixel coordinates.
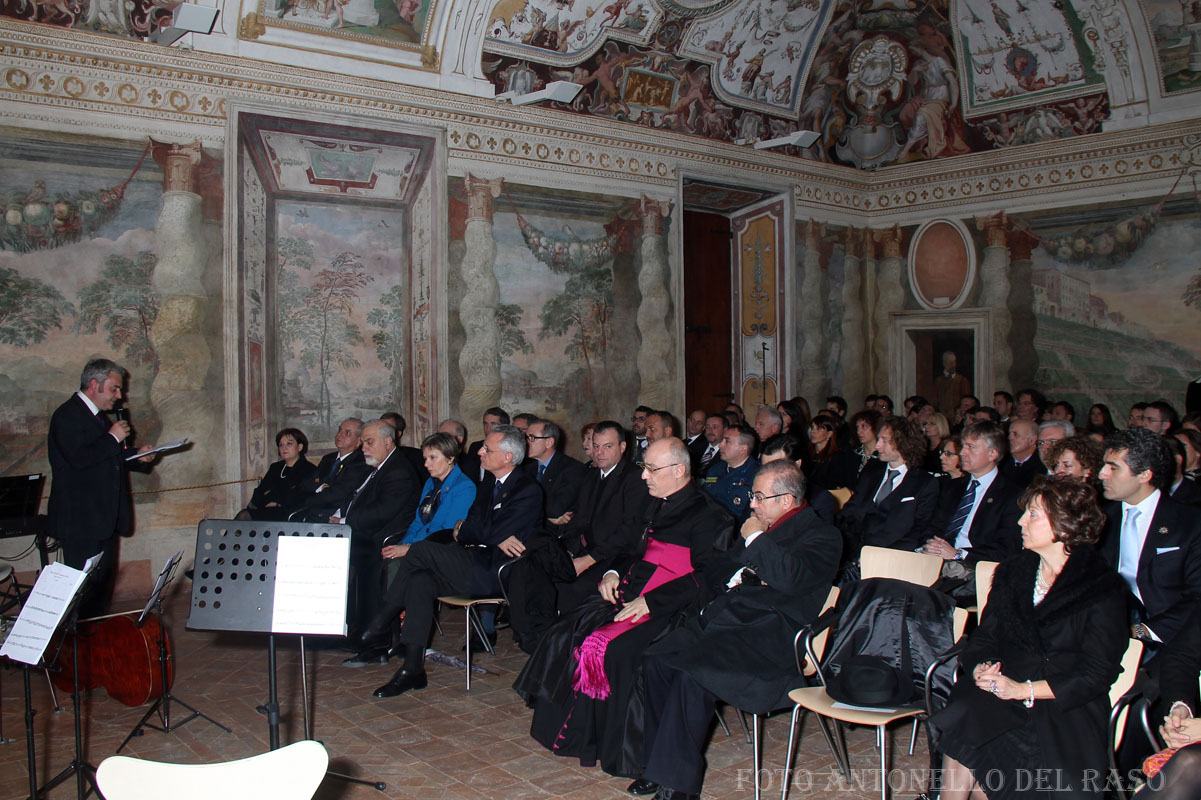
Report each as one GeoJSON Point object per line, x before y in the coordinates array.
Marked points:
{"type": "Point", "coordinates": [1182, 490]}
{"type": "Point", "coordinates": [729, 480]}
{"type": "Point", "coordinates": [339, 475]}
{"type": "Point", "coordinates": [1030, 405]}
{"type": "Point", "coordinates": [786, 447]}
{"type": "Point", "coordinates": [830, 466]}
{"type": "Point", "coordinates": [586, 442]}
{"type": "Point", "coordinates": [1100, 420]}
{"type": "Point", "coordinates": [506, 509]}
{"type": "Point", "coordinates": [1077, 457]}
{"type": "Point", "coordinates": [1063, 411]}
{"type": "Point", "coordinates": [562, 568]}
{"type": "Point", "coordinates": [1191, 439]}
{"type": "Point", "coordinates": [1164, 583]}
{"type": "Point", "coordinates": [715, 429]}
{"type": "Point", "coordinates": [1161, 417]}
{"type": "Point", "coordinates": [796, 418]}
{"type": "Point", "coordinates": [936, 429]}
{"type": "Point", "coordinates": [1051, 432]}
{"type": "Point", "coordinates": [895, 499]}
{"type": "Point", "coordinates": [412, 454]}
{"type": "Point", "coordinates": [981, 523]}
{"type": "Point", "coordinates": [948, 458]}
{"type": "Point", "coordinates": [1023, 464]}
{"type": "Point", "coordinates": [1003, 402]}
{"type": "Point", "coordinates": [866, 425]}
{"type": "Point", "coordinates": [559, 474]}
{"type": "Point", "coordinates": [1135, 418]}
{"type": "Point", "coordinates": [582, 679]}
{"type": "Point", "coordinates": [469, 462]}
{"type": "Point", "coordinates": [287, 482]}
{"type": "Point", "coordinates": [1032, 700]}
{"type": "Point", "coordinates": [768, 423]}
{"type": "Point", "coordinates": [1175, 774]}
{"type": "Point", "coordinates": [984, 414]}
{"type": "Point", "coordinates": [760, 593]}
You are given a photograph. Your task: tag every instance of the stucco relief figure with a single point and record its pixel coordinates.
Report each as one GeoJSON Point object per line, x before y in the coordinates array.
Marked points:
{"type": "Point", "coordinates": [930, 115]}
{"type": "Point", "coordinates": [875, 74]}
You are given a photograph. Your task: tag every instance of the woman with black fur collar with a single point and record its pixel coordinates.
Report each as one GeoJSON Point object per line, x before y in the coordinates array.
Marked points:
{"type": "Point", "coordinates": [1027, 717]}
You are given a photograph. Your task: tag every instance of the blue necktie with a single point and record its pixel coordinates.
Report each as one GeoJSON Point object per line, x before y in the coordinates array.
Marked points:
{"type": "Point", "coordinates": [1130, 546]}
{"type": "Point", "coordinates": [496, 487]}
{"type": "Point", "coordinates": [541, 471]}
{"type": "Point", "coordinates": [962, 513]}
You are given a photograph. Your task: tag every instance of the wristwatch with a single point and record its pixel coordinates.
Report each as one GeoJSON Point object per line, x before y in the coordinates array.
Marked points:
{"type": "Point", "coordinates": [960, 554]}
{"type": "Point", "coordinates": [1139, 631]}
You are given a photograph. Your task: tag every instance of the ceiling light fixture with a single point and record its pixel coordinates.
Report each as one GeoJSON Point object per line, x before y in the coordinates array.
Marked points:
{"type": "Point", "coordinates": [188, 18]}
{"type": "Point", "coordinates": [559, 91]}
{"type": "Point", "coordinates": [796, 139]}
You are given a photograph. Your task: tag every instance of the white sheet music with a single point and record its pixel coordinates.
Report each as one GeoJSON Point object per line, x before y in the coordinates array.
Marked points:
{"type": "Point", "coordinates": [42, 613]}
{"type": "Point", "coordinates": [310, 585]}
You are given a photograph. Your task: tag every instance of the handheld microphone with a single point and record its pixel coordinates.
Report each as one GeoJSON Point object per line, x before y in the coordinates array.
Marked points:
{"type": "Point", "coordinates": [122, 413]}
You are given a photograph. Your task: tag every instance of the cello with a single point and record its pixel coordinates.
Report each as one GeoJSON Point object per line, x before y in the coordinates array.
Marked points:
{"type": "Point", "coordinates": [118, 656]}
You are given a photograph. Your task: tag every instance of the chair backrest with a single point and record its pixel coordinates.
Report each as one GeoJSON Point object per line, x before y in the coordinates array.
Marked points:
{"type": "Point", "coordinates": [1123, 683]}
{"type": "Point", "coordinates": [841, 497]}
{"type": "Point", "coordinates": [884, 562]}
{"type": "Point", "coordinates": [819, 641]}
{"type": "Point", "coordinates": [984, 573]}
{"type": "Point", "coordinates": [289, 773]}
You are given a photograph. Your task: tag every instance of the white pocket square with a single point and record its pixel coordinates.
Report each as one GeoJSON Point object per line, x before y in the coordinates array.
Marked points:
{"type": "Point", "coordinates": [496, 506]}
{"type": "Point", "coordinates": [1159, 551]}
{"type": "Point", "coordinates": [906, 499]}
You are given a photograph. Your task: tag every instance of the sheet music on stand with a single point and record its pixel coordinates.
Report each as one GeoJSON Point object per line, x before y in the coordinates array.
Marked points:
{"type": "Point", "coordinates": [44, 610]}
{"type": "Point", "coordinates": [160, 583]}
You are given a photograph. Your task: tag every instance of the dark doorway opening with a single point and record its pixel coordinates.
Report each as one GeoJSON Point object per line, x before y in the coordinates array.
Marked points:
{"type": "Point", "coordinates": [708, 355]}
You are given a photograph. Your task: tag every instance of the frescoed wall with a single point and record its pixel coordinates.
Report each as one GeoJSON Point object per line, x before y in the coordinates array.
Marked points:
{"type": "Point", "coordinates": [1176, 26]}
{"type": "Point", "coordinates": [573, 289]}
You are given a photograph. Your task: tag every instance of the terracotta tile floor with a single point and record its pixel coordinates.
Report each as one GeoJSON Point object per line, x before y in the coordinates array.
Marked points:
{"type": "Point", "coordinates": [436, 743]}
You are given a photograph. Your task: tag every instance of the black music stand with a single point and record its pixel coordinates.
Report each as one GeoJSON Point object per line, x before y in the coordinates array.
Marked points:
{"type": "Point", "coordinates": [242, 583]}
{"type": "Point", "coordinates": [163, 704]}
{"type": "Point", "coordinates": [85, 773]}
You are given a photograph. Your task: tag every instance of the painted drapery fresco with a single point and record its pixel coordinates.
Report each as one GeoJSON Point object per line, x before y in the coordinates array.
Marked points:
{"type": "Point", "coordinates": [882, 81]}
{"type": "Point", "coordinates": [1176, 26]}
{"type": "Point", "coordinates": [567, 268]}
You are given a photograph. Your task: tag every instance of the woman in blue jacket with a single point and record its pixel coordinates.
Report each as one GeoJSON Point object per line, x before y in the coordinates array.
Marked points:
{"type": "Point", "coordinates": [445, 498]}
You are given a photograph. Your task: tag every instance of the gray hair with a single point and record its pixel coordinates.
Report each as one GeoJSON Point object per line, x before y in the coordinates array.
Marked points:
{"type": "Point", "coordinates": [512, 442]}
{"type": "Point", "coordinates": [552, 430]}
{"type": "Point", "coordinates": [384, 428]}
{"type": "Point", "coordinates": [460, 428]}
{"type": "Point", "coordinates": [773, 414]}
{"type": "Point", "coordinates": [1068, 428]}
{"type": "Point", "coordinates": [98, 369]}
{"type": "Point", "coordinates": [786, 478]}
{"type": "Point", "coordinates": [354, 421]}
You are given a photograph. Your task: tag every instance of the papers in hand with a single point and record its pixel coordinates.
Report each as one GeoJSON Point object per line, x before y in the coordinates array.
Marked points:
{"type": "Point", "coordinates": [162, 448]}
{"type": "Point", "coordinates": [44, 610]}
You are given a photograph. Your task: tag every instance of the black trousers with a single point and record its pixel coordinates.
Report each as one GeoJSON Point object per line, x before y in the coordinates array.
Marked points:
{"type": "Point", "coordinates": [679, 712]}
{"type": "Point", "coordinates": [93, 601]}
{"type": "Point", "coordinates": [430, 569]}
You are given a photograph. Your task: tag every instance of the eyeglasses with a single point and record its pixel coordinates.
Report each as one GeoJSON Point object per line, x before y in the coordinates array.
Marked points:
{"type": "Point", "coordinates": [652, 470]}
{"type": "Point", "coordinates": [532, 438]}
{"type": "Point", "coordinates": [760, 497]}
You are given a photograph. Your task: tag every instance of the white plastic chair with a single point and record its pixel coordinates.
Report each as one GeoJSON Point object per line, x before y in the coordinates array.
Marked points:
{"type": "Point", "coordinates": [289, 773]}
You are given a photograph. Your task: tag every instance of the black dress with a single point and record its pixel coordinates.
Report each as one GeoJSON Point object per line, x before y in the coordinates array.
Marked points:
{"type": "Point", "coordinates": [285, 486]}
{"type": "Point", "coordinates": [1074, 639]}
{"type": "Point", "coordinates": [571, 723]}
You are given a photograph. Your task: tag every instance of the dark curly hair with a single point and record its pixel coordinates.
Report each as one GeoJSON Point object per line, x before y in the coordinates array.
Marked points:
{"type": "Point", "coordinates": [908, 438]}
{"type": "Point", "coordinates": [1088, 452]}
{"type": "Point", "coordinates": [1072, 508]}
{"type": "Point", "coordinates": [1144, 451]}
{"type": "Point", "coordinates": [297, 435]}
{"type": "Point", "coordinates": [869, 415]}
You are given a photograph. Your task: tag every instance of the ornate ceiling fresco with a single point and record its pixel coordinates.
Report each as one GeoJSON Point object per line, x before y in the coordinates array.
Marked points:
{"type": "Point", "coordinates": [882, 81]}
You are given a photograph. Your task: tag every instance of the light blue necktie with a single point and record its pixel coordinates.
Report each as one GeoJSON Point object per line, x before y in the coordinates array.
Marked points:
{"type": "Point", "coordinates": [1130, 547]}
{"type": "Point", "coordinates": [541, 471]}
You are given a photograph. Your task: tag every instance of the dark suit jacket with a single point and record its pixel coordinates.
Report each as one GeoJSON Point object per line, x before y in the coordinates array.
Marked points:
{"type": "Point", "coordinates": [609, 515]}
{"type": "Point", "coordinates": [740, 647]}
{"type": "Point", "coordinates": [89, 491]}
{"type": "Point", "coordinates": [386, 505]}
{"type": "Point", "coordinates": [901, 521]}
{"type": "Point", "coordinates": [417, 459]}
{"type": "Point", "coordinates": [560, 483]}
{"type": "Point", "coordinates": [469, 462]}
{"type": "Point", "coordinates": [1023, 475]}
{"type": "Point", "coordinates": [994, 534]}
{"type": "Point", "coordinates": [516, 512]}
{"type": "Point", "coordinates": [1169, 568]}
{"type": "Point", "coordinates": [318, 506]}
{"type": "Point", "coordinates": [1189, 493]}
{"type": "Point", "coordinates": [1180, 663]}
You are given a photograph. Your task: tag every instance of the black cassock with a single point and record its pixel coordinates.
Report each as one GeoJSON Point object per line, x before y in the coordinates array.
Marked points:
{"type": "Point", "coordinates": [609, 731]}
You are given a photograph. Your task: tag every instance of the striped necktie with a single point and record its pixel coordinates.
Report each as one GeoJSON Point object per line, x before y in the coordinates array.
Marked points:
{"type": "Point", "coordinates": [962, 513]}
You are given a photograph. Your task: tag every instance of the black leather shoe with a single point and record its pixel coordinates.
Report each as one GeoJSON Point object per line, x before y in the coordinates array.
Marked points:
{"type": "Point", "coordinates": [369, 655]}
{"type": "Point", "coordinates": [401, 682]}
{"type": "Point", "coordinates": [642, 787]}
{"type": "Point", "coordinates": [380, 626]}
{"type": "Point", "coordinates": [666, 793]}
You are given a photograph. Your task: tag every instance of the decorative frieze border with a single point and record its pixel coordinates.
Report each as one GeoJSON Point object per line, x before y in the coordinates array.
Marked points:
{"type": "Point", "coordinates": [59, 79]}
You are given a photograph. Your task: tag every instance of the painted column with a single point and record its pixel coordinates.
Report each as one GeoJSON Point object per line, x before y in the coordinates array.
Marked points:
{"type": "Point", "coordinates": [1023, 327]}
{"type": "Point", "coordinates": [180, 388]}
{"type": "Point", "coordinates": [812, 308]}
{"type": "Point", "coordinates": [867, 264]}
{"type": "Point", "coordinates": [994, 277]}
{"type": "Point", "coordinates": [890, 297]}
{"type": "Point", "coordinates": [654, 353]}
{"type": "Point", "coordinates": [479, 361]}
{"type": "Point", "coordinates": [854, 366]}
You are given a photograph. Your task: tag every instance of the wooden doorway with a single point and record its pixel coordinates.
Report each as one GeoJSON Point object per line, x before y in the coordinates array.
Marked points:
{"type": "Point", "coordinates": [708, 358]}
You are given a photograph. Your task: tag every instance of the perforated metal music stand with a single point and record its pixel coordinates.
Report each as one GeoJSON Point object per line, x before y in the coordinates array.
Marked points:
{"type": "Point", "coordinates": [242, 584]}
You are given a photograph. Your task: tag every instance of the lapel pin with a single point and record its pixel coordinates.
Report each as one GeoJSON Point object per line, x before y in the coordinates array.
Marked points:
{"type": "Point", "coordinates": [1163, 529]}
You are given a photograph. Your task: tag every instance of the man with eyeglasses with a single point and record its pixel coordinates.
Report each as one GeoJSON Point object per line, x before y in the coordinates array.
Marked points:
{"type": "Point", "coordinates": [729, 480]}
{"type": "Point", "coordinates": [559, 474]}
{"type": "Point", "coordinates": [1051, 432]}
{"type": "Point", "coordinates": [739, 649]}
{"type": "Point", "coordinates": [563, 569]}
{"type": "Point", "coordinates": [1030, 405]}
{"type": "Point", "coordinates": [582, 680]}
{"type": "Point", "coordinates": [637, 439]}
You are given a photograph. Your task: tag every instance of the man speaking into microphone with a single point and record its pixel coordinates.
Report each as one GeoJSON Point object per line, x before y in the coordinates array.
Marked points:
{"type": "Point", "coordinates": [89, 494]}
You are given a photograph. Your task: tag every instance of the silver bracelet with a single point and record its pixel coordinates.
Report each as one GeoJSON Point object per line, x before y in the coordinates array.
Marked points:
{"type": "Point", "coordinates": [1029, 702]}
